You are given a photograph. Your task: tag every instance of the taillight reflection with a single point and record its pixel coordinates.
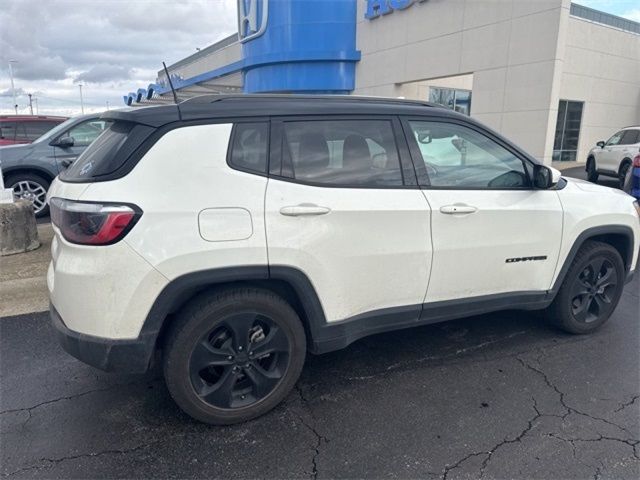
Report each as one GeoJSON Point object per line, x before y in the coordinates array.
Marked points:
{"type": "Point", "coordinates": [92, 223]}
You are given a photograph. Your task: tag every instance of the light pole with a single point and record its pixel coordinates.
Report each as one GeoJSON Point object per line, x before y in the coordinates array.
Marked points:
{"type": "Point", "coordinates": [107, 105]}
{"type": "Point", "coordinates": [30, 104]}
{"type": "Point", "coordinates": [81, 101]}
{"type": "Point", "coordinates": [13, 88]}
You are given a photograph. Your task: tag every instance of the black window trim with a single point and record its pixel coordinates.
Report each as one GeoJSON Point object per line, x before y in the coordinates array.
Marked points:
{"type": "Point", "coordinates": [407, 170]}
{"type": "Point", "coordinates": [418, 162]}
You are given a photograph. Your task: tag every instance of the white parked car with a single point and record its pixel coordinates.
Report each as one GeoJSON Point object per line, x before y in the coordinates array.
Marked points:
{"type": "Point", "coordinates": [230, 235]}
{"type": "Point", "coordinates": [614, 157]}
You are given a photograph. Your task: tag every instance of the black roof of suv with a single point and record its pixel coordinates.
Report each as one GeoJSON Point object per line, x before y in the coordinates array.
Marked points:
{"type": "Point", "coordinates": [260, 105]}
{"type": "Point", "coordinates": [136, 130]}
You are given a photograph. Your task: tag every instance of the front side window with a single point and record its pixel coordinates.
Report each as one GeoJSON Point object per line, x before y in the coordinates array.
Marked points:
{"type": "Point", "coordinates": [358, 153]}
{"type": "Point", "coordinates": [456, 156]}
{"type": "Point", "coordinates": [249, 147]}
{"type": "Point", "coordinates": [615, 140]}
{"type": "Point", "coordinates": [85, 133]}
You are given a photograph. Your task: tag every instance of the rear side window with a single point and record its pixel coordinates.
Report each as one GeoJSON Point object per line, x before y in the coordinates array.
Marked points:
{"type": "Point", "coordinates": [249, 147]}
{"type": "Point", "coordinates": [8, 131]}
{"type": "Point", "coordinates": [630, 137]}
{"type": "Point", "coordinates": [355, 153]}
{"type": "Point", "coordinates": [108, 152]}
{"type": "Point", "coordinates": [35, 130]}
{"type": "Point", "coordinates": [21, 134]}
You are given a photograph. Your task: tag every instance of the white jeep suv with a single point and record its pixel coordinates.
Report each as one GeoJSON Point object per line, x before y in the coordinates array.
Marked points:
{"type": "Point", "coordinates": [228, 236]}
{"type": "Point", "coordinates": [614, 157]}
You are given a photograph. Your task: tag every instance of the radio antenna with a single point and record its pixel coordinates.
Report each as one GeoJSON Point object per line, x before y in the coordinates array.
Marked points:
{"type": "Point", "coordinates": [173, 90]}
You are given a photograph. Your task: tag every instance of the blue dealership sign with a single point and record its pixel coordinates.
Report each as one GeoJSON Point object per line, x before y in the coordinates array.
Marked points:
{"type": "Point", "coordinates": [376, 8]}
{"type": "Point", "coordinates": [307, 46]}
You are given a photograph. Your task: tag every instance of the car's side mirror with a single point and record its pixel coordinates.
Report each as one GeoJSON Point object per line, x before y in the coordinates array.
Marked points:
{"type": "Point", "coordinates": [545, 177]}
{"type": "Point", "coordinates": [600, 144]}
{"type": "Point", "coordinates": [64, 142]}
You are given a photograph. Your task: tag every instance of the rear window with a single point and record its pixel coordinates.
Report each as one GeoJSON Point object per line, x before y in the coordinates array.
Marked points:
{"type": "Point", "coordinates": [108, 152]}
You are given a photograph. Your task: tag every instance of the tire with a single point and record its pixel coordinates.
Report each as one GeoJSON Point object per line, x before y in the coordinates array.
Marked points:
{"type": "Point", "coordinates": [585, 312]}
{"type": "Point", "coordinates": [209, 344]}
{"type": "Point", "coordinates": [592, 173]}
{"type": "Point", "coordinates": [32, 187]}
{"type": "Point", "coordinates": [622, 173]}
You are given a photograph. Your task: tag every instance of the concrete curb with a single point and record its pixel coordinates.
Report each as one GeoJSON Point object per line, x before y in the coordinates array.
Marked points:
{"type": "Point", "coordinates": [18, 232]}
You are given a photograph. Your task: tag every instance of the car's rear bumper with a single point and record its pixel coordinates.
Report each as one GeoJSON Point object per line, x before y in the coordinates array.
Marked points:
{"type": "Point", "coordinates": [127, 356]}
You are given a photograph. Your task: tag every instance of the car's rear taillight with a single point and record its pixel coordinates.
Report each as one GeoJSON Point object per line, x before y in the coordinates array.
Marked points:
{"type": "Point", "coordinates": [636, 161]}
{"type": "Point", "coordinates": [89, 223]}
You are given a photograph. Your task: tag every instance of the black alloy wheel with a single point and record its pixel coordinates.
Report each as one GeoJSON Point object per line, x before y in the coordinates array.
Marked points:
{"type": "Point", "coordinates": [240, 361]}
{"type": "Point", "coordinates": [593, 290]}
{"type": "Point", "coordinates": [233, 355]}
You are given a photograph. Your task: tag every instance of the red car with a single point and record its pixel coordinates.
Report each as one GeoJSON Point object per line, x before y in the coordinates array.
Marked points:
{"type": "Point", "coordinates": [15, 129]}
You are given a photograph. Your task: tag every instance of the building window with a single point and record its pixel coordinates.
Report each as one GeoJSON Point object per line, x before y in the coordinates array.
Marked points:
{"type": "Point", "coordinates": [565, 146]}
{"type": "Point", "coordinates": [458, 100]}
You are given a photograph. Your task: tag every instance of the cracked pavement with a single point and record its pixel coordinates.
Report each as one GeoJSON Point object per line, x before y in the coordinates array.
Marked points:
{"type": "Point", "coordinates": [496, 396]}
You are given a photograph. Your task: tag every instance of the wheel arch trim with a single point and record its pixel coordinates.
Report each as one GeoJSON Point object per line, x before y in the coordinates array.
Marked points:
{"type": "Point", "coordinates": [625, 161]}
{"type": "Point", "coordinates": [33, 170]}
{"type": "Point", "coordinates": [182, 288]}
{"type": "Point", "coordinates": [597, 233]}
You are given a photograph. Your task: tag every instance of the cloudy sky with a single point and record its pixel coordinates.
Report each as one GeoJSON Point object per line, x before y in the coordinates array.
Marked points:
{"type": "Point", "coordinates": [115, 46]}
{"type": "Point", "coordinates": [110, 46]}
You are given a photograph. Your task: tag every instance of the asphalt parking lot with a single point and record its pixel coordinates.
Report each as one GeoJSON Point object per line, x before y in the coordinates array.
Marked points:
{"type": "Point", "coordinates": [496, 396]}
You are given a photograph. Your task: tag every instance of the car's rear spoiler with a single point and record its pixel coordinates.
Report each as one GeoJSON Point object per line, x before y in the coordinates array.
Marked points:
{"type": "Point", "coordinates": [152, 116]}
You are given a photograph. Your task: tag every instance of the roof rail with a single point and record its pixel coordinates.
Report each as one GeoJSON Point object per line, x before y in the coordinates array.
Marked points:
{"type": "Point", "coordinates": [212, 97]}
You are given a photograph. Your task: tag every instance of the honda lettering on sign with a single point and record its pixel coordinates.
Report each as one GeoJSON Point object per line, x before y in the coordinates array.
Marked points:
{"type": "Point", "coordinates": [375, 8]}
{"type": "Point", "coordinates": [252, 18]}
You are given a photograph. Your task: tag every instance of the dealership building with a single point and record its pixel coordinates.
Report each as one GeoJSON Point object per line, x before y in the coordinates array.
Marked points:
{"type": "Point", "coordinates": [553, 76]}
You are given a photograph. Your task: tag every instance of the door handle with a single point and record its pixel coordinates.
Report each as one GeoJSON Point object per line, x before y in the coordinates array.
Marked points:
{"type": "Point", "coordinates": [458, 208]}
{"type": "Point", "coordinates": [304, 209]}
